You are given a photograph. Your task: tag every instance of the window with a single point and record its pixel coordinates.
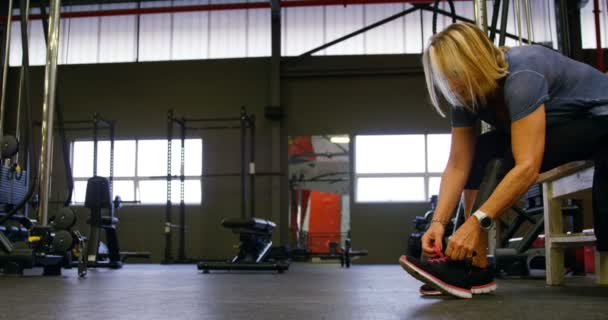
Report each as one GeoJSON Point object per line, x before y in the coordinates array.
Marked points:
{"type": "Point", "coordinates": [588, 24]}
{"type": "Point", "coordinates": [140, 169]}
{"type": "Point", "coordinates": [399, 168]}
{"type": "Point", "coordinates": [246, 32]}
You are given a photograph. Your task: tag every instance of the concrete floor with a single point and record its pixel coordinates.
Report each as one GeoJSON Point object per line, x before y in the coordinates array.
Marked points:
{"type": "Point", "coordinates": [306, 291]}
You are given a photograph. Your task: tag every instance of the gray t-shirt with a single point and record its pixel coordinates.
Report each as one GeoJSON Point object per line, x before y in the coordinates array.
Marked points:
{"type": "Point", "coordinates": [568, 88]}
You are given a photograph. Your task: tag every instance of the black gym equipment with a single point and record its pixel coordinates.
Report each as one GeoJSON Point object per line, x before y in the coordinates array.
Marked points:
{"type": "Point", "coordinates": [92, 251]}
{"type": "Point", "coordinates": [14, 178]}
{"type": "Point", "coordinates": [246, 124]}
{"type": "Point", "coordinates": [26, 243]}
{"type": "Point", "coordinates": [103, 220]}
{"type": "Point", "coordinates": [9, 146]}
{"type": "Point", "coordinates": [99, 201]}
{"type": "Point", "coordinates": [13, 187]}
{"type": "Point", "coordinates": [345, 254]}
{"type": "Point", "coordinates": [255, 242]}
{"type": "Point", "coordinates": [102, 206]}
{"type": "Point", "coordinates": [14, 233]}
{"type": "Point", "coordinates": [518, 256]}
{"type": "Point", "coordinates": [255, 233]}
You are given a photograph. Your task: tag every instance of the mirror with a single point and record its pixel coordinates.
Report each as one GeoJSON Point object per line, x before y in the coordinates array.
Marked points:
{"type": "Point", "coordinates": [319, 176]}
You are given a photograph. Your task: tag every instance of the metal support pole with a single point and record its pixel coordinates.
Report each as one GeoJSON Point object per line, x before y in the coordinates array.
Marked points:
{"type": "Point", "coordinates": [503, 22]}
{"type": "Point", "coordinates": [168, 208]}
{"type": "Point", "coordinates": [95, 141]}
{"type": "Point", "coordinates": [481, 17]}
{"type": "Point", "coordinates": [561, 21]}
{"type": "Point", "coordinates": [529, 21]}
{"type": "Point", "coordinates": [252, 168]}
{"type": "Point", "coordinates": [518, 19]}
{"type": "Point", "coordinates": [598, 37]}
{"type": "Point", "coordinates": [112, 139]}
{"type": "Point", "coordinates": [569, 28]}
{"type": "Point", "coordinates": [7, 50]}
{"type": "Point", "coordinates": [24, 76]}
{"type": "Point", "coordinates": [182, 204]}
{"type": "Point", "coordinates": [60, 121]}
{"type": "Point", "coordinates": [278, 207]}
{"type": "Point", "coordinates": [482, 23]}
{"type": "Point", "coordinates": [495, 12]}
{"type": "Point", "coordinates": [24, 94]}
{"type": "Point", "coordinates": [48, 112]}
{"type": "Point", "coordinates": [243, 164]}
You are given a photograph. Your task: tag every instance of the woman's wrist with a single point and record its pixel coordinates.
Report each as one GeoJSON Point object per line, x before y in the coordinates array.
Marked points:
{"type": "Point", "coordinates": [439, 222]}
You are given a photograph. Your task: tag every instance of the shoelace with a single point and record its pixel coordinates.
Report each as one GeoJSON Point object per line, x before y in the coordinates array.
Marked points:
{"type": "Point", "coordinates": [442, 258]}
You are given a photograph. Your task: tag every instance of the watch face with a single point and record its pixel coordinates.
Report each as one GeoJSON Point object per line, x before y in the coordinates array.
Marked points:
{"type": "Point", "coordinates": [486, 222]}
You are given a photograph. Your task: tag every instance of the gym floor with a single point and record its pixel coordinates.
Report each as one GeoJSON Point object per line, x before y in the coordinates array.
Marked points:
{"type": "Point", "coordinates": [306, 291]}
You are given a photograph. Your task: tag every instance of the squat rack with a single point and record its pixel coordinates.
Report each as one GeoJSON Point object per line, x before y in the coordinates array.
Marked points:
{"type": "Point", "coordinates": [246, 123]}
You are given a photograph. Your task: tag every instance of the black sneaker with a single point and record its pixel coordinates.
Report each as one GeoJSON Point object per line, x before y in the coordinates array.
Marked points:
{"type": "Point", "coordinates": [448, 276]}
{"type": "Point", "coordinates": [482, 282]}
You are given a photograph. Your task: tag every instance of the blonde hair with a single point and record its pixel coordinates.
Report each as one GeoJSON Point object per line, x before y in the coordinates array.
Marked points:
{"type": "Point", "coordinates": [462, 52]}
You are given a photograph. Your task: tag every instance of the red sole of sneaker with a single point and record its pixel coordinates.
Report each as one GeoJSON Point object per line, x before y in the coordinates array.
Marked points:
{"type": "Point", "coordinates": [430, 279]}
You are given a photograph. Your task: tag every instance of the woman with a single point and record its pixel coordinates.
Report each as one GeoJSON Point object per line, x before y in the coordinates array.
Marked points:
{"type": "Point", "coordinates": [546, 109]}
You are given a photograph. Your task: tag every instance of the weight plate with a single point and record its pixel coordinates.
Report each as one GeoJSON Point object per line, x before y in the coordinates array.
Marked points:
{"type": "Point", "coordinates": [62, 242]}
{"type": "Point", "coordinates": [65, 218]}
{"type": "Point", "coordinates": [8, 146]}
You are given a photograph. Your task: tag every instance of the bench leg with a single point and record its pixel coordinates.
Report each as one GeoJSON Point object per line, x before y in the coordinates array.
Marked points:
{"type": "Point", "coordinates": [601, 267]}
{"type": "Point", "coordinates": [554, 261]}
{"type": "Point", "coordinates": [554, 256]}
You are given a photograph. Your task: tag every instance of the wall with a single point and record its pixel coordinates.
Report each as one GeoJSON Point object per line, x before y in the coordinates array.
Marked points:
{"type": "Point", "coordinates": [321, 95]}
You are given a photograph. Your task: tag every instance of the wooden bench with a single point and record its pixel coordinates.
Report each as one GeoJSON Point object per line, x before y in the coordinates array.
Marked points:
{"type": "Point", "coordinates": [570, 180]}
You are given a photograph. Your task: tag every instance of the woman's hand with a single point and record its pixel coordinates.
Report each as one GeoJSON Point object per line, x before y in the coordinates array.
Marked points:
{"type": "Point", "coordinates": [462, 244]}
{"type": "Point", "coordinates": [433, 237]}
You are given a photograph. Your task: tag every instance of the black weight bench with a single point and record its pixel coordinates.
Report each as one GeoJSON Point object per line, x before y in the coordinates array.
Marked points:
{"type": "Point", "coordinates": [255, 241]}
{"type": "Point", "coordinates": [252, 225]}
